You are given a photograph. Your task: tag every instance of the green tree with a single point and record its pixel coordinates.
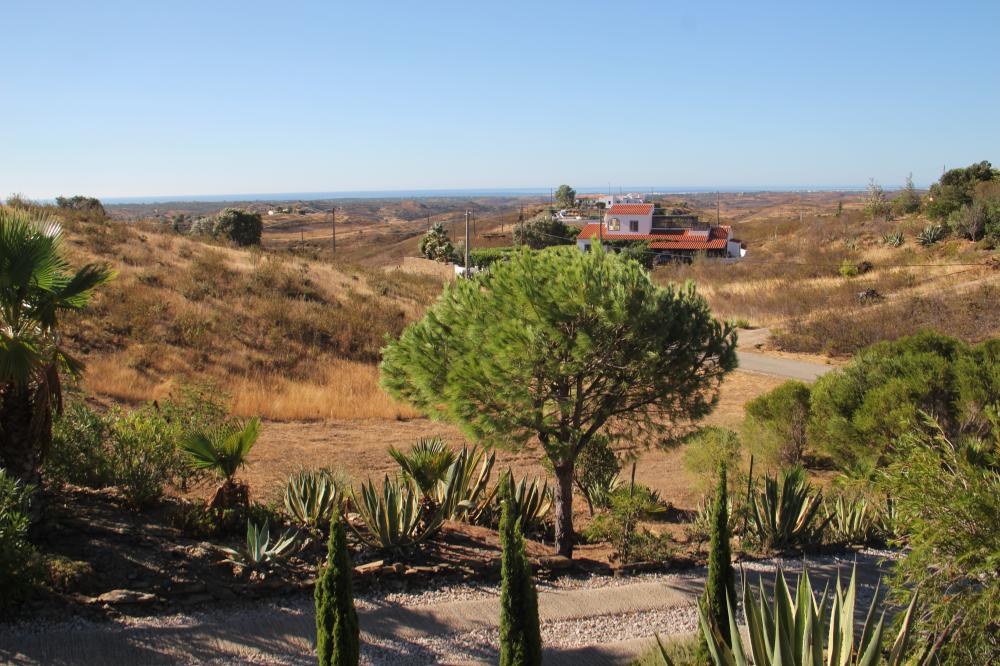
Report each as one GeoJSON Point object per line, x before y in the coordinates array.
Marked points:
{"type": "Point", "coordinates": [242, 227]}
{"type": "Point", "coordinates": [565, 196]}
{"type": "Point", "coordinates": [37, 285]}
{"type": "Point", "coordinates": [555, 348]}
{"type": "Point", "coordinates": [720, 588]}
{"type": "Point", "coordinates": [89, 204]}
{"type": "Point", "coordinates": [957, 188]}
{"type": "Point", "coordinates": [543, 231]}
{"type": "Point", "coordinates": [436, 245]}
{"type": "Point", "coordinates": [776, 423]}
{"type": "Point", "coordinates": [337, 634]}
{"type": "Point", "coordinates": [907, 201]}
{"type": "Point", "coordinates": [520, 633]}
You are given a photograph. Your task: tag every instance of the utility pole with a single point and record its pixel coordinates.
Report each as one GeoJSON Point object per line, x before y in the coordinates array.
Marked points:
{"type": "Point", "coordinates": [520, 222]}
{"type": "Point", "coordinates": [718, 209]}
{"type": "Point", "coordinates": [333, 220]}
{"type": "Point", "coordinates": [467, 273]}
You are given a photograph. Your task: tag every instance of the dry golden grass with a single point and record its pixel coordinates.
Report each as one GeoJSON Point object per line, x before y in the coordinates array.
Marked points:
{"type": "Point", "coordinates": [345, 390]}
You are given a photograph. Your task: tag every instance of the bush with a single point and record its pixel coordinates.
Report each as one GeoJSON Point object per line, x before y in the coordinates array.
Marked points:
{"type": "Point", "coordinates": [596, 472]}
{"type": "Point", "coordinates": [242, 227]}
{"type": "Point", "coordinates": [487, 256]}
{"type": "Point", "coordinates": [776, 424]}
{"type": "Point", "coordinates": [143, 454]}
{"type": "Point", "coordinates": [706, 448]}
{"type": "Point", "coordinates": [436, 245]}
{"type": "Point", "coordinates": [969, 221]}
{"type": "Point", "coordinates": [18, 560]}
{"type": "Point", "coordinates": [629, 505]}
{"type": "Point", "coordinates": [859, 411]}
{"type": "Point", "coordinates": [78, 454]}
{"type": "Point", "coordinates": [947, 498]}
{"type": "Point", "coordinates": [544, 231]}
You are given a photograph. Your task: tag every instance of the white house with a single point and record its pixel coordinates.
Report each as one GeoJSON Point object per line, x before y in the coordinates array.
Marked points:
{"type": "Point", "coordinates": [636, 222]}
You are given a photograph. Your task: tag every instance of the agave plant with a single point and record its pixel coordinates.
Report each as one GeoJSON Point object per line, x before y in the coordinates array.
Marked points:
{"type": "Point", "coordinates": [223, 450]}
{"type": "Point", "coordinates": [600, 492]}
{"type": "Point", "coordinates": [463, 493]}
{"type": "Point", "coordinates": [392, 517]}
{"type": "Point", "coordinates": [894, 239]}
{"type": "Point", "coordinates": [931, 234]}
{"type": "Point", "coordinates": [785, 513]}
{"type": "Point", "coordinates": [700, 528]}
{"type": "Point", "coordinates": [311, 497]}
{"type": "Point", "coordinates": [258, 552]}
{"type": "Point", "coordinates": [531, 501]}
{"type": "Point", "coordinates": [791, 631]}
{"type": "Point", "coordinates": [850, 521]}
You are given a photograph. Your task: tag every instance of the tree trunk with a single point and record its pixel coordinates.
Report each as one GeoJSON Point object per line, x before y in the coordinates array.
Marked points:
{"type": "Point", "coordinates": [564, 509]}
{"type": "Point", "coordinates": [20, 453]}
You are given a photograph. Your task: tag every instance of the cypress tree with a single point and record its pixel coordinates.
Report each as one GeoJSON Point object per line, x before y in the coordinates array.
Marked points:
{"type": "Point", "coordinates": [720, 588]}
{"type": "Point", "coordinates": [520, 635]}
{"type": "Point", "coordinates": [337, 642]}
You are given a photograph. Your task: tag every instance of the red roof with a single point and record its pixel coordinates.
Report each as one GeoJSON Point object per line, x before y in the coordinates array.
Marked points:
{"type": "Point", "coordinates": [716, 244]}
{"type": "Point", "coordinates": [630, 209]}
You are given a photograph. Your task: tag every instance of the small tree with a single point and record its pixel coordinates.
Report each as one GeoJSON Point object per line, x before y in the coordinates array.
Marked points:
{"type": "Point", "coordinates": [544, 231]}
{"type": "Point", "coordinates": [776, 423]}
{"type": "Point", "coordinates": [520, 634]}
{"type": "Point", "coordinates": [907, 201]}
{"type": "Point", "coordinates": [720, 588]}
{"type": "Point", "coordinates": [555, 348]}
{"type": "Point", "coordinates": [436, 245]}
{"type": "Point", "coordinates": [566, 196]}
{"type": "Point", "coordinates": [242, 227]}
{"type": "Point", "coordinates": [876, 204]}
{"type": "Point", "coordinates": [337, 634]}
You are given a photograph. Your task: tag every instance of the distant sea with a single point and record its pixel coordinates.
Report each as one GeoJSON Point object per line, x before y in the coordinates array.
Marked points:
{"type": "Point", "coordinates": [462, 193]}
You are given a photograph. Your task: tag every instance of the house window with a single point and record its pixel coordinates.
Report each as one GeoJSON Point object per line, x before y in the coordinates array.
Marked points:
{"type": "Point", "coordinates": [633, 225]}
{"type": "Point", "coordinates": [614, 224]}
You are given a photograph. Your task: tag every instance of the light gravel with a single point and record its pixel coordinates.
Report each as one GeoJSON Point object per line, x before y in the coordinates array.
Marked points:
{"type": "Point", "coordinates": [479, 645]}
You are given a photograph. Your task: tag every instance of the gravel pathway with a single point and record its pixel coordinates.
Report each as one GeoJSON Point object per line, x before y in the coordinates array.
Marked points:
{"type": "Point", "coordinates": [596, 619]}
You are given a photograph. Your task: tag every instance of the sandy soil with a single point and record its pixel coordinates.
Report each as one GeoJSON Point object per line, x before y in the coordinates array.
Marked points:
{"type": "Point", "coordinates": [359, 446]}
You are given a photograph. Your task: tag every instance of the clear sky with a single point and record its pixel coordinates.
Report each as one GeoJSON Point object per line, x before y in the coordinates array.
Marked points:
{"type": "Point", "coordinates": [173, 97]}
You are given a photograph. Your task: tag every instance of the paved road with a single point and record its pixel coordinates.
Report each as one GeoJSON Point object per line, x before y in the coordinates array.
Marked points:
{"type": "Point", "coordinates": [607, 624]}
{"type": "Point", "coordinates": [777, 366]}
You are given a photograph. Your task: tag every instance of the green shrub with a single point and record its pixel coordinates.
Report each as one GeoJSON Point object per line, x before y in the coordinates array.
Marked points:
{"type": "Point", "coordinates": [436, 245]}
{"type": "Point", "coordinates": [947, 498]}
{"type": "Point", "coordinates": [487, 256]}
{"type": "Point", "coordinates": [242, 227]}
{"type": "Point", "coordinates": [776, 423]}
{"type": "Point", "coordinates": [78, 454]}
{"type": "Point", "coordinates": [629, 505]}
{"type": "Point", "coordinates": [720, 587]}
{"type": "Point", "coordinates": [848, 268]}
{"type": "Point", "coordinates": [142, 454]}
{"type": "Point", "coordinates": [859, 411]}
{"type": "Point", "coordinates": [337, 633]}
{"type": "Point", "coordinates": [706, 448]}
{"type": "Point", "coordinates": [19, 568]}
{"type": "Point", "coordinates": [596, 472]}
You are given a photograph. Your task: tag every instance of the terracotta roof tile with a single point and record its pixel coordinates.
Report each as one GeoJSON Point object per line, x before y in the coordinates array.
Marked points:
{"type": "Point", "coordinates": [630, 209]}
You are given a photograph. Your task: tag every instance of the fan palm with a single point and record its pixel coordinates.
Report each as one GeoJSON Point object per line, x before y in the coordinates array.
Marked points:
{"type": "Point", "coordinates": [36, 284]}
{"type": "Point", "coordinates": [425, 464]}
{"type": "Point", "coordinates": [223, 450]}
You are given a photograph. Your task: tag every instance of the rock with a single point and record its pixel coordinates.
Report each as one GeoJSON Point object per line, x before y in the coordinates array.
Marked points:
{"type": "Point", "coordinates": [554, 562]}
{"type": "Point", "coordinates": [126, 597]}
{"type": "Point", "coordinates": [398, 568]}
{"type": "Point", "coordinates": [197, 598]}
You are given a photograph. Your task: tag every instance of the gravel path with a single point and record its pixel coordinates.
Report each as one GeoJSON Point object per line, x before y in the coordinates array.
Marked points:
{"type": "Point", "coordinates": [584, 620]}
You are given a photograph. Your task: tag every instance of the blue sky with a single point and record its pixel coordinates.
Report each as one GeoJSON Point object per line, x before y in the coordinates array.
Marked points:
{"type": "Point", "coordinates": [146, 98]}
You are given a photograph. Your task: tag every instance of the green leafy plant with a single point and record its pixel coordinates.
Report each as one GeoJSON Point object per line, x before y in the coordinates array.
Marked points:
{"type": "Point", "coordinates": [791, 630]}
{"type": "Point", "coordinates": [520, 633]}
{"type": "Point", "coordinates": [311, 497]}
{"type": "Point", "coordinates": [18, 558]}
{"type": "Point", "coordinates": [224, 450]}
{"type": "Point", "coordinates": [619, 525]}
{"type": "Point", "coordinates": [142, 454]}
{"type": "Point", "coordinates": [531, 500]}
{"type": "Point", "coordinates": [258, 553]}
{"type": "Point", "coordinates": [931, 234]}
{"type": "Point", "coordinates": [392, 517]}
{"type": "Point", "coordinates": [436, 245]}
{"type": "Point", "coordinates": [242, 227]}
{"type": "Point", "coordinates": [337, 633]}
{"type": "Point", "coordinates": [786, 512]}
{"type": "Point", "coordinates": [700, 528]}
{"type": "Point", "coordinates": [596, 473]}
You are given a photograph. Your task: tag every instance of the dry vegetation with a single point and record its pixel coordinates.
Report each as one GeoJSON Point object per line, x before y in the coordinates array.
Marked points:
{"type": "Point", "coordinates": [791, 282]}
{"type": "Point", "coordinates": [281, 336]}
